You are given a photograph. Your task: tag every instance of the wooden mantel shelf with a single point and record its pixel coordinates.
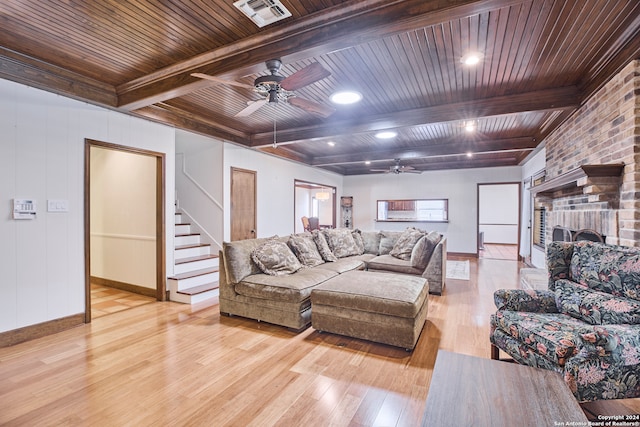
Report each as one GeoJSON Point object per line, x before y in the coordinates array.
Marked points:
{"type": "Point", "coordinates": [579, 177]}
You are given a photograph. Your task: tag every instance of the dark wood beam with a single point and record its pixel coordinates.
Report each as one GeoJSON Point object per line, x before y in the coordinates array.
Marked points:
{"type": "Point", "coordinates": [449, 147]}
{"type": "Point", "coordinates": [187, 122]}
{"type": "Point", "coordinates": [349, 24]}
{"type": "Point", "coordinates": [24, 69]}
{"type": "Point", "coordinates": [566, 98]}
{"type": "Point", "coordinates": [286, 153]}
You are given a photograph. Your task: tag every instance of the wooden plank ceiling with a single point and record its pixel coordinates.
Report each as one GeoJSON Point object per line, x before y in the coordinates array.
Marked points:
{"type": "Point", "coordinates": [540, 60]}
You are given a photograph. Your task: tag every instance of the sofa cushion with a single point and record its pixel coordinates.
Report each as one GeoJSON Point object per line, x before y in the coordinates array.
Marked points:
{"type": "Point", "coordinates": [305, 249]}
{"type": "Point", "coordinates": [594, 307]}
{"type": "Point", "coordinates": [292, 288]}
{"type": "Point", "coordinates": [607, 268]}
{"type": "Point", "coordinates": [406, 242]}
{"type": "Point", "coordinates": [341, 243]}
{"type": "Point", "coordinates": [422, 251]}
{"type": "Point", "coordinates": [389, 263]}
{"type": "Point", "coordinates": [554, 336]}
{"type": "Point", "coordinates": [388, 294]}
{"type": "Point", "coordinates": [387, 240]}
{"type": "Point", "coordinates": [274, 257]}
{"type": "Point", "coordinates": [357, 237]}
{"type": "Point", "coordinates": [345, 264]}
{"type": "Point", "coordinates": [323, 246]}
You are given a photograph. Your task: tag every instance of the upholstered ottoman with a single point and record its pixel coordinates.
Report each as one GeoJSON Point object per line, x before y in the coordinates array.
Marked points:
{"type": "Point", "coordinates": [383, 307]}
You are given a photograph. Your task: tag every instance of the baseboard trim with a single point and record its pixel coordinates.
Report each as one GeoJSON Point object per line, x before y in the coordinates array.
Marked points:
{"type": "Point", "coordinates": [28, 333]}
{"type": "Point", "coordinates": [140, 290]}
{"type": "Point", "coordinates": [463, 254]}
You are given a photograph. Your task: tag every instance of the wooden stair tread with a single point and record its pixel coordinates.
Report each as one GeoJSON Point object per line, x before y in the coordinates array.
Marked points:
{"type": "Point", "coordinates": [195, 258]}
{"type": "Point", "coordinates": [183, 223]}
{"type": "Point", "coordinates": [187, 234]}
{"type": "Point", "coordinates": [199, 289]}
{"type": "Point", "coordinates": [192, 245]}
{"type": "Point", "coordinates": [194, 273]}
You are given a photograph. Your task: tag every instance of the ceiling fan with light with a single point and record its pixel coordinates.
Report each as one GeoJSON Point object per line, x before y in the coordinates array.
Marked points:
{"type": "Point", "coordinates": [397, 169]}
{"type": "Point", "coordinates": [275, 88]}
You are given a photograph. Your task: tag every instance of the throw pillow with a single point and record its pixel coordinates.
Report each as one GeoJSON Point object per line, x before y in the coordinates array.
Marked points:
{"type": "Point", "coordinates": [357, 237]}
{"type": "Point", "coordinates": [405, 244]}
{"type": "Point", "coordinates": [275, 258]}
{"type": "Point", "coordinates": [323, 247]}
{"type": "Point", "coordinates": [422, 251]}
{"type": "Point", "coordinates": [387, 240]}
{"type": "Point", "coordinates": [306, 250]}
{"type": "Point", "coordinates": [341, 242]}
{"type": "Point", "coordinates": [593, 307]}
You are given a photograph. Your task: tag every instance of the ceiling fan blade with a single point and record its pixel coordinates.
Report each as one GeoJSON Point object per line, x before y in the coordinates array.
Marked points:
{"type": "Point", "coordinates": [380, 170]}
{"type": "Point", "coordinates": [222, 81]}
{"type": "Point", "coordinates": [311, 106]}
{"type": "Point", "coordinates": [309, 74]}
{"type": "Point", "coordinates": [253, 106]}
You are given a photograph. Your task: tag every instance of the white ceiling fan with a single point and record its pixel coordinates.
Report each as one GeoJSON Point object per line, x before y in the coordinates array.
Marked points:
{"type": "Point", "coordinates": [397, 169]}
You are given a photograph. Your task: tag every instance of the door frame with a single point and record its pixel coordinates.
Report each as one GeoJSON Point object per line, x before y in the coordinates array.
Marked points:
{"type": "Point", "coordinates": [519, 201]}
{"type": "Point", "coordinates": [161, 284]}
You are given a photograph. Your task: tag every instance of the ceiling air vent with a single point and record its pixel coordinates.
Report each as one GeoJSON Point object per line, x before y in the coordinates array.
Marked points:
{"type": "Point", "coordinates": [263, 12]}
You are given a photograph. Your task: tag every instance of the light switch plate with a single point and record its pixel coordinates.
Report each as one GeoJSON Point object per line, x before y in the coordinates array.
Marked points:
{"type": "Point", "coordinates": [57, 206]}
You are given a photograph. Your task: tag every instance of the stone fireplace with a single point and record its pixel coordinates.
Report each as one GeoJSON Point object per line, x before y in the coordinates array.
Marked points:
{"type": "Point", "coordinates": [593, 164]}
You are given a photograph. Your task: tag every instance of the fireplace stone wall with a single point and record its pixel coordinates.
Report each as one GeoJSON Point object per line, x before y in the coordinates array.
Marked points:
{"type": "Point", "coordinates": [605, 130]}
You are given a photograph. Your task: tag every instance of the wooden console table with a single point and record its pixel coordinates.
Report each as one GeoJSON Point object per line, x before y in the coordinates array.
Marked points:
{"type": "Point", "coordinates": [471, 391]}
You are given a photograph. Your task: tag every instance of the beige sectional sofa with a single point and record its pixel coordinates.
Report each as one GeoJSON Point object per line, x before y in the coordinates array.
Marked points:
{"type": "Point", "coordinates": [283, 297]}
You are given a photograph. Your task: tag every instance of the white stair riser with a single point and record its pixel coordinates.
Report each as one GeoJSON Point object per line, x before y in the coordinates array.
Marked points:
{"type": "Point", "coordinates": [194, 299]}
{"type": "Point", "coordinates": [191, 282]}
{"type": "Point", "coordinates": [178, 219]}
{"type": "Point", "coordinates": [182, 228]}
{"type": "Point", "coordinates": [191, 252]}
{"type": "Point", "coordinates": [195, 265]}
{"type": "Point", "coordinates": [191, 239]}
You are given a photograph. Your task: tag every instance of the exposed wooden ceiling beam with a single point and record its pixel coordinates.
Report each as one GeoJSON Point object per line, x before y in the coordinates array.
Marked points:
{"type": "Point", "coordinates": [430, 150]}
{"type": "Point", "coordinates": [566, 98]}
{"type": "Point", "coordinates": [350, 24]}
{"type": "Point", "coordinates": [23, 69]}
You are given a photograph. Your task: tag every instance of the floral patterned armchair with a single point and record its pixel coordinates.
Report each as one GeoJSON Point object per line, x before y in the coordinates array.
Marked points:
{"type": "Point", "coordinates": [586, 326]}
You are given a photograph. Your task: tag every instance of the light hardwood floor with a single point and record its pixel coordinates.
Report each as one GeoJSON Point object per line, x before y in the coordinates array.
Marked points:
{"type": "Point", "coordinates": [174, 364]}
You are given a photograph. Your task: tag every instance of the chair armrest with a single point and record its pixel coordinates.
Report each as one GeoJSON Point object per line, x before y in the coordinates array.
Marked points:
{"type": "Point", "coordinates": [533, 301]}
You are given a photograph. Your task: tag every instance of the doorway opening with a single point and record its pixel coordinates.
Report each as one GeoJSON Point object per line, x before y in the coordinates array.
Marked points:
{"type": "Point", "coordinates": [499, 221]}
{"type": "Point", "coordinates": [124, 225]}
{"type": "Point", "coordinates": [313, 200]}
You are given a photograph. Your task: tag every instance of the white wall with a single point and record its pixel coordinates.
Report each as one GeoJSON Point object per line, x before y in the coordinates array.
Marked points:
{"type": "Point", "coordinates": [42, 157]}
{"type": "Point", "coordinates": [498, 214]}
{"type": "Point", "coordinates": [275, 188]}
{"type": "Point", "coordinates": [533, 165]}
{"type": "Point", "coordinates": [123, 217]}
{"type": "Point", "coordinates": [458, 186]}
{"type": "Point", "coordinates": [199, 184]}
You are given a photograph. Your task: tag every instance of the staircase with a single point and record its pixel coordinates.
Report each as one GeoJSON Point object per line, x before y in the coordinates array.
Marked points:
{"type": "Point", "coordinates": [195, 267]}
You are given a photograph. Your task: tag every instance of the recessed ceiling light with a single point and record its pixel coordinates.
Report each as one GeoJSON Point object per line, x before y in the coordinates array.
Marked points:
{"type": "Point", "coordinates": [346, 97]}
{"type": "Point", "coordinates": [386, 135]}
{"type": "Point", "coordinates": [470, 126]}
{"type": "Point", "coordinates": [471, 59]}
{"type": "Point", "coordinates": [469, 154]}
{"type": "Point", "coordinates": [331, 144]}
{"type": "Point", "coordinates": [367, 162]}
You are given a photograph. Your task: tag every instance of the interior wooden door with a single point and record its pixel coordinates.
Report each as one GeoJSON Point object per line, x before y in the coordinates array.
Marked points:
{"type": "Point", "coordinates": [243, 204]}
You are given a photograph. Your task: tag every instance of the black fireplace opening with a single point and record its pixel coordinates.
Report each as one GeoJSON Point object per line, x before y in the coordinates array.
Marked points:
{"type": "Point", "coordinates": [564, 234]}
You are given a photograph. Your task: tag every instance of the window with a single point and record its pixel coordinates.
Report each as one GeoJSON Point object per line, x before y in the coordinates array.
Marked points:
{"type": "Point", "coordinates": [539, 227]}
{"type": "Point", "coordinates": [430, 210]}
